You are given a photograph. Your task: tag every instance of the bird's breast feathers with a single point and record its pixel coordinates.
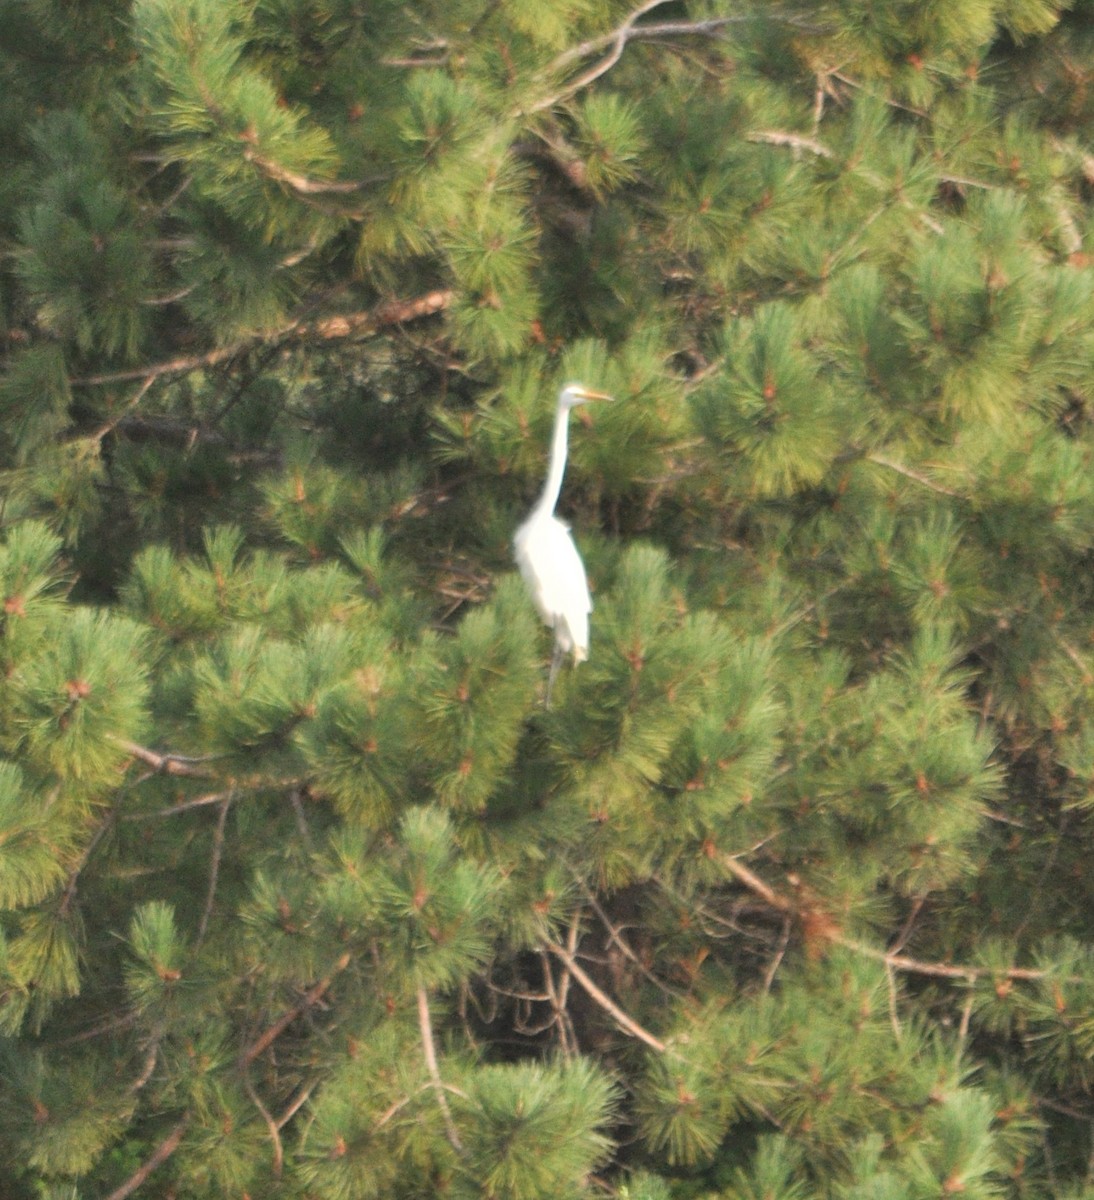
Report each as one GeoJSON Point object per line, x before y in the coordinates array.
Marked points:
{"type": "Point", "coordinates": [552, 568]}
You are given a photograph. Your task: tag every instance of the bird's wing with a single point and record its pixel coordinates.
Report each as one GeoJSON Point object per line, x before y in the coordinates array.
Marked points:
{"type": "Point", "coordinates": [552, 568]}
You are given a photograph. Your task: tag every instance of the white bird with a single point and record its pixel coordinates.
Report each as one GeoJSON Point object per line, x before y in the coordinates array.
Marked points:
{"type": "Point", "coordinates": [546, 554]}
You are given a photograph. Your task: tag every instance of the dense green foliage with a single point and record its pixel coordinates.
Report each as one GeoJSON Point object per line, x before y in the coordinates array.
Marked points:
{"type": "Point", "coordinates": [303, 892]}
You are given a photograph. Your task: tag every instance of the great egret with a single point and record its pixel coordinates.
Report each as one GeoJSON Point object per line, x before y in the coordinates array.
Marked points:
{"type": "Point", "coordinates": [546, 554]}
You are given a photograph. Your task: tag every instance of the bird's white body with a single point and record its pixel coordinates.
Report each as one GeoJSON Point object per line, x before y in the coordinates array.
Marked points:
{"type": "Point", "coordinates": [546, 554]}
{"type": "Point", "coordinates": [552, 568]}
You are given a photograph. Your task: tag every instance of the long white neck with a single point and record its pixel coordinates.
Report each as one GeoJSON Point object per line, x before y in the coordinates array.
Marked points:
{"type": "Point", "coordinates": [553, 485]}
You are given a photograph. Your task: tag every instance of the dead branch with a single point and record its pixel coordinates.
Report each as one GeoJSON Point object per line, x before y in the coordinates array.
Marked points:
{"type": "Point", "coordinates": [166, 763]}
{"type": "Point", "coordinates": [616, 41]}
{"type": "Point", "coordinates": [157, 1158]}
{"type": "Point", "coordinates": [312, 996]}
{"type": "Point", "coordinates": [214, 867]}
{"type": "Point", "coordinates": [343, 325]}
{"type": "Point", "coordinates": [908, 473]}
{"type": "Point", "coordinates": [271, 1125]}
{"type": "Point", "coordinates": [890, 958]}
{"type": "Point", "coordinates": [425, 1024]}
{"type": "Point", "coordinates": [775, 137]}
{"type": "Point", "coordinates": [625, 1022]}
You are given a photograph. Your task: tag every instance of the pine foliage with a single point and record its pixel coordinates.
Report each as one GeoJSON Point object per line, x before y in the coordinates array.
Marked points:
{"type": "Point", "coordinates": [304, 891]}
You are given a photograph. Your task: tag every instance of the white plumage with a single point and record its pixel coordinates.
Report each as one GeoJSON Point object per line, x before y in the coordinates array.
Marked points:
{"type": "Point", "coordinates": [546, 554]}
{"type": "Point", "coordinates": [552, 568]}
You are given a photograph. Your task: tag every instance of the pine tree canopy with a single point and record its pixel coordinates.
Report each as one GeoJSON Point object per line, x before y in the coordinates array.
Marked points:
{"type": "Point", "coordinates": [305, 893]}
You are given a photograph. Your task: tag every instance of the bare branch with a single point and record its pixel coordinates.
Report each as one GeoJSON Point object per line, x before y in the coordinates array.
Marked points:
{"type": "Point", "coordinates": [617, 41]}
{"type": "Point", "coordinates": [900, 962]}
{"type": "Point", "coordinates": [214, 867]}
{"type": "Point", "coordinates": [775, 137]}
{"type": "Point", "coordinates": [755, 884]}
{"type": "Point", "coordinates": [69, 893]}
{"type": "Point", "coordinates": [629, 30]}
{"type": "Point", "coordinates": [295, 1105]}
{"type": "Point", "coordinates": [425, 1024]}
{"type": "Point", "coordinates": [616, 938]}
{"type": "Point", "coordinates": [98, 434]}
{"type": "Point", "coordinates": [626, 1023]}
{"type": "Point", "coordinates": [271, 1125]}
{"type": "Point", "coordinates": [779, 955]}
{"type": "Point", "coordinates": [345, 325]}
{"type": "Point", "coordinates": [166, 763]}
{"type": "Point", "coordinates": [908, 473]}
{"type": "Point", "coordinates": [312, 996]}
{"type": "Point", "coordinates": [186, 806]}
{"type": "Point", "coordinates": [157, 1158]}
{"type": "Point", "coordinates": [302, 184]}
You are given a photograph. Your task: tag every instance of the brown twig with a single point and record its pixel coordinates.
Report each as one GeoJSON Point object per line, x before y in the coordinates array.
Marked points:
{"type": "Point", "coordinates": [157, 1158]}
{"type": "Point", "coordinates": [899, 962]}
{"type": "Point", "coordinates": [304, 185]}
{"type": "Point", "coordinates": [616, 938]}
{"type": "Point", "coordinates": [69, 893]}
{"type": "Point", "coordinates": [425, 1024]}
{"type": "Point", "coordinates": [109, 426]}
{"type": "Point", "coordinates": [271, 1125]}
{"type": "Point", "coordinates": [295, 1105]}
{"type": "Point", "coordinates": [908, 473]}
{"type": "Point", "coordinates": [344, 325]}
{"type": "Point", "coordinates": [312, 996]}
{"type": "Point", "coordinates": [797, 141]}
{"type": "Point", "coordinates": [166, 763]}
{"type": "Point", "coordinates": [616, 41]}
{"type": "Point", "coordinates": [185, 806]}
{"type": "Point", "coordinates": [214, 867]}
{"type": "Point", "coordinates": [625, 1022]}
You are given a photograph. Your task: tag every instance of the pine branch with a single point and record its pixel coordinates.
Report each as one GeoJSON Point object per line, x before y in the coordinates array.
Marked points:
{"type": "Point", "coordinates": [214, 867]}
{"type": "Point", "coordinates": [186, 805]}
{"type": "Point", "coordinates": [908, 473]}
{"type": "Point", "coordinates": [624, 1021]}
{"type": "Point", "coordinates": [617, 939]}
{"type": "Point", "coordinates": [900, 962]}
{"type": "Point", "coordinates": [755, 884]}
{"type": "Point", "coordinates": [157, 1158]}
{"type": "Point", "coordinates": [425, 1024]}
{"type": "Point", "coordinates": [344, 325]}
{"type": "Point", "coordinates": [775, 137]}
{"type": "Point", "coordinates": [627, 31]}
{"type": "Point", "coordinates": [295, 1105]}
{"type": "Point", "coordinates": [69, 893]}
{"type": "Point", "coordinates": [166, 763]}
{"type": "Point", "coordinates": [616, 40]}
{"type": "Point", "coordinates": [109, 426]}
{"type": "Point", "coordinates": [150, 1060]}
{"type": "Point", "coordinates": [312, 996]}
{"type": "Point", "coordinates": [271, 1125]}
{"type": "Point", "coordinates": [302, 184]}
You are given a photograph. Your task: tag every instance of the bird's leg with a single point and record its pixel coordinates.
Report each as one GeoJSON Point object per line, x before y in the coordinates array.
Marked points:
{"type": "Point", "coordinates": [556, 662]}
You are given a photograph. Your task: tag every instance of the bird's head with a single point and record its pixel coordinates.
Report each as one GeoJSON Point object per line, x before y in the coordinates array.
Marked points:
{"type": "Point", "coordinates": [574, 394]}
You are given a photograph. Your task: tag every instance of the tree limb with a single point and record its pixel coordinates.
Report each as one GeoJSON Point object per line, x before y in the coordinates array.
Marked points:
{"type": "Point", "coordinates": [775, 137]}
{"type": "Point", "coordinates": [311, 996]}
{"type": "Point", "coordinates": [626, 1023]}
{"type": "Point", "coordinates": [214, 867]}
{"type": "Point", "coordinates": [166, 763]}
{"type": "Point", "coordinates": [271, 1125]}
{"type": "Point", "coordinates": [900, 962]}
{"type": "Point", "coordinates": [157, 1158]}
{"type": "Point", "coordinates": [425, 1024]}
{"type": "Point", "coordinates": [908, 473]}
{"type": "Point", "coordinates": [343, 325]}
{"type": "Point", "coordinates": [616, 40]}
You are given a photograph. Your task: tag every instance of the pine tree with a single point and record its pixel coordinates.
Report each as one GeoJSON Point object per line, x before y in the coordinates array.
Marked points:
{"type": "Point", "coordinates": [303, 891]}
